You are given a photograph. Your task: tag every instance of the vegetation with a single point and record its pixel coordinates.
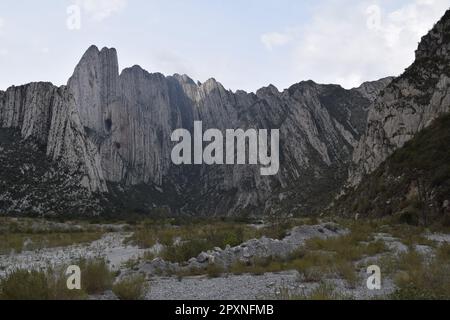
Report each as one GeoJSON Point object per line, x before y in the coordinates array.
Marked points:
{"type": "Point", "coordinates": [324, 291]}
{"type": "Point", "coordinates": [411, 185]}
{"type": "Point", "coordinates": [417, 278]}
{"type": "Point", "coordinates": [21, 242]}
{"type": "Point", "coordinates": [51, 284]}
{"type": "Point", "coordinates": [183, 242]}
{"type": "Point", "coordinates": [321, 257]}
{"type": "Point", "coordinates": [96, 276]}
{"type": "Point", "coordinates": [131, 288]}
{"type": "Point", "coordinates": [32, 234]}
{"type": "Point", "coordinates": [37, 285]}
{"type": "Point", "coordinates": [318, 261]}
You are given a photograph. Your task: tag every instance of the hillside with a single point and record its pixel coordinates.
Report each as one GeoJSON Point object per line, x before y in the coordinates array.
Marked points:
{"type": "Point", "coordinates": [413, 184]}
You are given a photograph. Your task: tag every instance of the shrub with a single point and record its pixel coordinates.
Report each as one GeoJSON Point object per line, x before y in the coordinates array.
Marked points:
{"type": "Point", "coordinates": [347, 271]}
{"type": "Point", "coordinates": [37, 285]}
{"type": "Point", "coordinates": [375, 248]}
{"type": "Point", "coordinates": [15, 241]}
{"type": "Point", "coordinates": [410, 216]}
{"type": "Point", "coordinates": [96, 276]}
{"type": "Point", "coordinates": [184, 251]}
{"type": "Point", "coordinates": [26, 285]}
{"type": "Point", "coordinates": [214, 270]}
{"type": "Point", "coordinates": [52, 284]}
{"type": "Point", "coordinates": [131, 288]}
{"type": "Point", "coordinates": [421, 279]}
{"type": "Point", "coordinates": [323, 292]}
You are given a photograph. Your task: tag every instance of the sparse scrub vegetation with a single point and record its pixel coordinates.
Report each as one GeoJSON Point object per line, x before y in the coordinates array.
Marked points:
{"type": "Point", "coordinates": [419, 278]}
{"type": "Point", "coordinates": [214, 270]}
{"type": "Point", "coordinates": [131, 288]}
{"type": "Point", "coordinates": [324, 291]}
{"type": "Point", "coordinates": [185, 241]}
{"type": "Point", "coordinates": [411, 185]}
{"type": "Point", "coordinates": [26, 285]}
{"type": "Point", "coordinates": [96, 276]}
{"type": "Point", "coordinates": [319, 260]}
{"type": "Point", "coordinates": [30, 242]}
{"type": "Point", "coordinates": [26, 234]}
{"type": "Point", "coordinates": [51, 284]}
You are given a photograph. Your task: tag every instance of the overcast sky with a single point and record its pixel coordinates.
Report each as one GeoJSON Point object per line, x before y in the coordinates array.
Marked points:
{"type": "Point", "coordinates": [243, 44]}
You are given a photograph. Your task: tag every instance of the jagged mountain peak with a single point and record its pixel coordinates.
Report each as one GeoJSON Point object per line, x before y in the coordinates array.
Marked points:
{"type": "Point", "coordinates": [270, 89]}
{"type": "Point", "coordinates": [94, 56]}
{"type": "Point", "coordinates": [183, 78]}
{"type": "Point", "coordinates": [437, 42]}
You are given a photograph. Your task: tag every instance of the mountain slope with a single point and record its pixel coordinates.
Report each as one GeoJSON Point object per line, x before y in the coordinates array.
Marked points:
{"type": "Point", "coordinates": [412, 184]}
{"type": "Point", "coordinates": [409, 103]}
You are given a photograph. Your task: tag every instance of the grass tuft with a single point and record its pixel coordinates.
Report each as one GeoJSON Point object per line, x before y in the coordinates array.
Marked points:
{"type": "Point", "coordinates": [131, 288]}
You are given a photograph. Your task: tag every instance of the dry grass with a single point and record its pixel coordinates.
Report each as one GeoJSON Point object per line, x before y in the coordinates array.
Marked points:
{"type": "Point", "coordinates": [418, 278]}
{"type": "Point", "coordinates": [38, 285]}
{"type": "Point", "coordinates": [218, 233]}
{"type": "Point", "coordinates": [51, 284]}
{"type": "Point", "coordinates": [19, 242]}
{"type": "Point", "coordinates": [323, 292]}
{"type": "Point", "coordinates": [96, 276]}
{"type": "Point", "coordinates": [131, 288]}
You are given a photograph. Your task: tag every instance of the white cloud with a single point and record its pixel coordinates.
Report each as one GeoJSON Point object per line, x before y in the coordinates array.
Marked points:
{"type": "Point", "coordinates": [170, 62]}
{"type": "Point", "coordinates": [101, 9]}
{"type": "Point", "coordinates": [363, 43]}
{"type": "Point", "coordinates": [275, 39]}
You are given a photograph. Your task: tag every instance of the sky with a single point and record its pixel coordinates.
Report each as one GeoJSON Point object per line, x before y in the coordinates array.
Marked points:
{"type": "Point", "coordinates": [243, 44]}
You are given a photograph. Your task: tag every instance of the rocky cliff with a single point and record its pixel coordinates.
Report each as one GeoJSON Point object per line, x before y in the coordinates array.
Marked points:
{"type": "Point", "coordinates": [409, 103]}
{"type": "Point", "coordinates": [110, 133]}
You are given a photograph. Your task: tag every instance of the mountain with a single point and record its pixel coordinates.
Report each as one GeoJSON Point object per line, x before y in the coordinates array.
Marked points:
{"type": "Point", "coordinates": [101, 144]}
{"type": "Point", "coordinates": [413, 184]}
{"type": "Point", "coordinates": [401, 164]}
{"type": "Point", "coordinates": [408, 104]}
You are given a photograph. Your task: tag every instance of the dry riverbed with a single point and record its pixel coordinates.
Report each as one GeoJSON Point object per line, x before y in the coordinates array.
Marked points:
{"type": "Point", "coordinates": [323, 261]}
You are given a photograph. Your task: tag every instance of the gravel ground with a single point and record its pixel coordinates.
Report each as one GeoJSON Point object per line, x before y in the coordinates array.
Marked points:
{"type": "Point", "coordinates": [230, 287]}
{"type": "Point", "coordinates": [241, 287]}
{"type": "Point", "coordinates": [110, 246]}
{"type": "Point", "coordinates": [250, 287]}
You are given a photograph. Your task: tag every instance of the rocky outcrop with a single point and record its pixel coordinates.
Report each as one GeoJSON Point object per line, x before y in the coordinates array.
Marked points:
{"type": "Point", "coordinates": [409, 103]}
{"type": "Point", "coordinates": [47, 115]}
{"type": "Point", "coordinates": [372, 89]}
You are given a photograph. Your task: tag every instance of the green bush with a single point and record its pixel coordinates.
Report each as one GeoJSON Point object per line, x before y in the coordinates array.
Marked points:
{"type": "Point", "coordinates": [214, 270]}
{"type": "Point", "coordinates": [421, 279]}
{"type": "Point", "coordinates": [409, 216]}
{"type": "Point", "coordinates": [184, 251]}
{"type": "Point", "coordinates": [26, 285]}
{"type": "Point", "coordinates": [96, 277]}
{"type": "Point", "coordinates": [37, 285]}
{"type": "Point", "coordinates": [131, 288]}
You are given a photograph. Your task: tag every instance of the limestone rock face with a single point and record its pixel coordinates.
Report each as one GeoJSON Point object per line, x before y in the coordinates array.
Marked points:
{"type": "Point", "coordinates": [130, 116]}
{"type": "Point", "coordinates": [47, 114]}
{"type": "Point", "coordinates": [372, 89]}
{"type": "Point", "coordinates": [408, 104]}
{"type": "Point", "coordinates": [112, 132]}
